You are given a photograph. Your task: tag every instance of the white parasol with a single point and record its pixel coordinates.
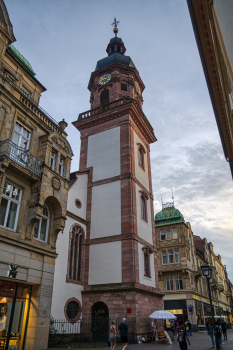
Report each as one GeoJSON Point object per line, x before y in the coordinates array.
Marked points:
{"type": "Point", "coordinates": [162, 315]}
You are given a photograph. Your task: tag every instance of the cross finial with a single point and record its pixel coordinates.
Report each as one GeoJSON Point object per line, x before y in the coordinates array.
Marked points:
{"type": "Point", "coordinates": [115, 24]}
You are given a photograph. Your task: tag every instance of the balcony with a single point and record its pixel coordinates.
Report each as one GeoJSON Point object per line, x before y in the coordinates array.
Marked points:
{"type": "Point", "coordinates": [20, 156]}
{"type": "Point", "coordinates": [112, 105]}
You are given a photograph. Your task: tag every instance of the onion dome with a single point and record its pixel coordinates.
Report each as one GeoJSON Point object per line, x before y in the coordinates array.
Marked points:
{"type": "Point", "coordinates": [168, 215]}
{"type": "Point", "coordinates": [116, 52]}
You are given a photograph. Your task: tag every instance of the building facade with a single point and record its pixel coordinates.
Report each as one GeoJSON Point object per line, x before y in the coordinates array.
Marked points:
{"type": "Point", "coordinates": [180, 256]}
{"type": "Point", "coordinates": [34, 180]}
{"type": "Point", "coordinates": [213, 27]}
{"type": "Point", "coordinates": [118, 261]}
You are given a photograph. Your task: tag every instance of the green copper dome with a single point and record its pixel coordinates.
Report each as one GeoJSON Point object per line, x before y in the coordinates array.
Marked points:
{"type": "Point", "coordinates": [169, 215]}
{"type": "Point", "coordinates": [20, 59]}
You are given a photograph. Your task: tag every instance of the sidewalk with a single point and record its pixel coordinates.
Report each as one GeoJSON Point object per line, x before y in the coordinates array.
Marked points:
{"type": "Point", "coordinates": [199, 341]}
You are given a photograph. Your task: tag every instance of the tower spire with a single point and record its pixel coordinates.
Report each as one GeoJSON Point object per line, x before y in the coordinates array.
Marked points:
{"type": "Point", "coordinates": [173, 197]}
{"type": "Point", "coordinates": [115, 24]}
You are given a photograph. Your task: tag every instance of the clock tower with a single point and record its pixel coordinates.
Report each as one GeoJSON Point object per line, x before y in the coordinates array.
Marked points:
{"type": "Point", "coordinates": [121, 276]}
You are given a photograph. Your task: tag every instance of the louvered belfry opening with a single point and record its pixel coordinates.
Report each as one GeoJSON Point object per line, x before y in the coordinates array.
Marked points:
{"type": "Point", "coordinates": [104, 97]}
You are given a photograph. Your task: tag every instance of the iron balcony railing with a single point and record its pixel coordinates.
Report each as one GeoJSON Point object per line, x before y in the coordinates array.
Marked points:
{"type": "Point", "coordinates": [112, 105]}
{"type": "Point", "coordinates": [20, 156]}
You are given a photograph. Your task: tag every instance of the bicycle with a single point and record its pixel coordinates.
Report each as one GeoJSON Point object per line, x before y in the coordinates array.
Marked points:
{"type": "Point", "coordinates": [59, 339]}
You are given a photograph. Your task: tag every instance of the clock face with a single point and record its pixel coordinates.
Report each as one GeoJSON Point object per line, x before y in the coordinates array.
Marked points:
{"type": "Point", "coordinates": [104, 79]}
{"type": "Point", "coordinates": [137, 87]}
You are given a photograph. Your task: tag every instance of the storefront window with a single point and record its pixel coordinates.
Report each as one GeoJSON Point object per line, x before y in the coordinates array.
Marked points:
{"type": "Point", "coordinates": [199, 313]}
{"type": "Point", "coordinates": [14, 303]}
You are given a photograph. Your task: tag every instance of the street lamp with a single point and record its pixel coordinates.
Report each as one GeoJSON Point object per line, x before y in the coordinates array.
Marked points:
{"type": "Point", "coordinates": [207, 272]}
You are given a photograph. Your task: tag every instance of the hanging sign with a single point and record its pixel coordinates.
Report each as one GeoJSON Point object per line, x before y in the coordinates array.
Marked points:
{"type": "Point", "coordinates": [190, 307]}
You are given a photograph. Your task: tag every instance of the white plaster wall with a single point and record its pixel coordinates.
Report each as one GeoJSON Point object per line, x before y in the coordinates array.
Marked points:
{"type": "Point", "coordinates": [62, 291]}
{"type": "Point", "coordinates": [78, 191]}
{"type": "Point", "coordinates": [141, 175]}
{"type": "Point", "coordinates": [143, 279]}
{"type": "Point", "coordinates": [224, 11]}
{"type": "Point", "coordinates": [144, 228]}
{"type": "Point", "coordinates": [106, 210]}
{"type": "Point", "coordinates": [105, 263]}
{"type": "Point", "coordinates": [103, 154]}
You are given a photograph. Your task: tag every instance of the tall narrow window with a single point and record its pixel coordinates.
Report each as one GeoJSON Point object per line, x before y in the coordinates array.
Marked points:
{"type": "Point", "coordinates": [179, 284]}
{"type": "Point", "coordinates": [146, 264]}
{"type": "Point", "coordinates": [143, 208]}
{"type": "Point", "coordinates": [104, 97]}
{"type": "Point", "coordinates": [41, 227]}
{"type": "Point", "coordinates": [174, 233]}
{"type": "Point", "coordinates": [169, 282]}
{"type": "Point", "coordinates": [177, 255]}
{"type": "Point", "coordinates": [170, 256]}
{"type": "Point", "coordinates": [169, 235]}
{"type": "Point", "coordinates": [75, 253]}
{"type": "Point", "coordinates": [53, 160]}
{"type": "Point", "coordinates": [21, 136]}
{"type": "Point", "coordinates": [9, 209]}
{"type": "Point", "coordinates": [61, 167]}
{"type": "Point", "coordinates": [164, 257]}
{"type": "Point", "coordinates": [162, 235]}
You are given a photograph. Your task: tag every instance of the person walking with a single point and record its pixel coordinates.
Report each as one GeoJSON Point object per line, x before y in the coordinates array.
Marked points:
{"type": "Point", "coordinates": [209, 328]}
{"type": "Point", "coordinates": [123, 328]}
{"type": "Point", "coordinates": [112, 335]}
{"type": "Point", "coordinates": [218, 333]}
{"type": "Point", "coordinates": [183, 338]}
{"type": "Point", "coordinates": [224, 329]}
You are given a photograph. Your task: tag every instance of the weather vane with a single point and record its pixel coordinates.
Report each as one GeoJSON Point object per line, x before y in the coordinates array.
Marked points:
{"type": "Point", "coordinates": [115, 24]}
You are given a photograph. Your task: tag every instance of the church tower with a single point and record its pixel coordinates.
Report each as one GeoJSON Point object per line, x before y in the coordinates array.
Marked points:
{"type": "Point", "coordinates": [121, 277]}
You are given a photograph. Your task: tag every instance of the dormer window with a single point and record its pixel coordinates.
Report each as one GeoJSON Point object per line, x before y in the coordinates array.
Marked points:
{"type": "Point", "coordinates": [104, 97]}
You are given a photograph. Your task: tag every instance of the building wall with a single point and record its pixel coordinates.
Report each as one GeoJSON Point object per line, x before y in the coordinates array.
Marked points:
{"type": "Point", "coordinates": [78, 191]}
{"type": "Point", "coordinates": [63, 290]}
{"type": "Point", "coordinates": [104, 154]}
{"type": "Point", "coordinates": [106, 210]}
{"type": "Point", "coordinates": [148, 281]}
{"type": "Point", "coordinates": [105, 263]}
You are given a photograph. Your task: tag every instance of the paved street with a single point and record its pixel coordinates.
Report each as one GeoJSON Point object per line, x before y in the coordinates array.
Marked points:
{"type": "Point", "coordinates": [199, 341]}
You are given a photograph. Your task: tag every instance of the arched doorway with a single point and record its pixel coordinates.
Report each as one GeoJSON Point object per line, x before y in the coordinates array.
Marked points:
{"type": "Point", "coordinates": [100, 321]}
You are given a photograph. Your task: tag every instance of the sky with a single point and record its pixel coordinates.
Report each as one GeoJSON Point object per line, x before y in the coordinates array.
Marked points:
{"type": "Point", "coordinates": [64, 39]}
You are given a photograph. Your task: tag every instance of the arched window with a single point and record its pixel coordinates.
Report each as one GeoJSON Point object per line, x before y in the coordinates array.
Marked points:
{"type": "Point", "coordinates": [147, 251]}
{"type": "Point", "coordinates": [41, 226]}
{"type": "Point", "coordinates": [75, 254]}
{"type": "Point", "coordinates": [104, 97]}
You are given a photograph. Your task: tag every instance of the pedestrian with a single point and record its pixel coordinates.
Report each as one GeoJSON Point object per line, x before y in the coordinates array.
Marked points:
{"type": "Point", "coordinates": [112, 335]}
{"type": "Point", "coordinates": [123, 328]}
{"type": "Point", "coordinates": [182, 337]}
{"type": "Point", "coordinates": [224, 329]}
{"type": "Point", "coordinates": [154, 332]}
{"type": "Point", "coordinates": [218, 333]}
{"type": "Point", "coordinates": [209, 328]}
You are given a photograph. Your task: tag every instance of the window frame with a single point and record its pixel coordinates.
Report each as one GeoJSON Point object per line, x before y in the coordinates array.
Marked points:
{"type": "Point", "coordinates": [106, 100]}
{"type": "Point", "coordinates": [20, 133]}
{"type": "Point", "coordinates": [39, 227]}
{"type": "Point", "coordinates": [177, 253]}
{"type": "Point", "coordinates": [11, 200]}
{"type": "Point", "coordinates": [169, 232]}
{"type": "Point", "coordinates": [75, 255]}
{"type": "Point", "coordinates": [169, 281]}
{"type": "Point", "coordinates": [174, 230]}
{"type": "Point", "coordinates": [146, 256]}
{"type": "Point", "coordinates": [143, 208]}
{"type": "Point", "coordinates": [170, 255]}
{"type": "Point", "coordinates": [179, 282]}
{"type": "Point", "coordinates": [74, 320]}
{"type": "Point", "coordinates": [164, 255]}
{"type": "Point", "coordinates": [164, 233]}
{"type": "Point", "coordinates": [61, 164]}
{"type": "Point", "coordinates": [53, 158]}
